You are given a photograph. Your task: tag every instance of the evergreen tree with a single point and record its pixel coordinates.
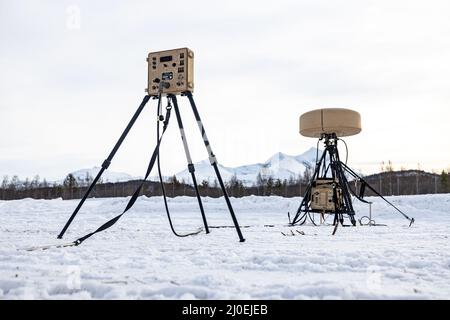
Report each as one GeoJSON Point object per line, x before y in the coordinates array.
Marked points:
{"type": "Point", "coordinates": [278, 184]}
{"type": "Point", "coordinates": [70, 181]}
{"type": "Point", "coordinates": [174, 180]}
{"type": "Point", "coordinates": [204, 184]}
{"type": "Point", "coordinates": [260, 180]}
{"type": "Point", "coordinates": [27, 184]}
{"type": "Point", "coordinates": [284, 187]}
{"type": "Point", "coordinates": [5, 182]}
{"type": "Point", "coordinates": [444, 182]}
{"type": "Point", "coordinates": [291, 181]}
{"type": "Point", "coordinates": [233, 180]}
{"type": "Point", "coordinates": [236, 186]}
{"type": "Point", "coordinates": [233, 184]}
{"type": "Point", "coordinates": [44, 183]}
{"type": "Point", "coordinates": [269, 185]}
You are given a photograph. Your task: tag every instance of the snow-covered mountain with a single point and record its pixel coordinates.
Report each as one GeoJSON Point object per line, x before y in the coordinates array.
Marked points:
{"type": "Point", "coordinates": [108, 176]}
{"type": "Point", "coordinates": [278, 166]}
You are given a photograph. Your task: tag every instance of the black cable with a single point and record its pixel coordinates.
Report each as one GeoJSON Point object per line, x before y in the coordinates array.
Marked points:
{"type": "Point", "coordinates": [135, 195]}
{"type": "Point", "coordinates": [311, 218]}
{"type": "Point", "coordinates": [161, 179]}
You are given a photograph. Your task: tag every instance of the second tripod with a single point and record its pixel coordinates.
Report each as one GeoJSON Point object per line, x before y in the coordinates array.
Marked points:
{"type": "Point", "coordinates": [328, 190]}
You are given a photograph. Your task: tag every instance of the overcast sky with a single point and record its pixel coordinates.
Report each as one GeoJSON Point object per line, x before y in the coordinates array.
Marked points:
{"type": "Point", "coordinates": [72, 73]}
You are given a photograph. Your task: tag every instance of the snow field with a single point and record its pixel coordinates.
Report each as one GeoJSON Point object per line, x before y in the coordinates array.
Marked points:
{"type": "Point", "coordinates": [139, 258]}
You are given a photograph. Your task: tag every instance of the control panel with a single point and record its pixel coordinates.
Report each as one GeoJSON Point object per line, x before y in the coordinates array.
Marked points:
{"type": "Point", "coordinates": [171, 71]}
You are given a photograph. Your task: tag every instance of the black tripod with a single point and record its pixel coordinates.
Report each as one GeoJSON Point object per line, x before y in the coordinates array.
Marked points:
{"type": "Point", "coordinates": [335, 171]}
{"type": "Point", "coordinates": [155, 156]}
{"type": "Point", "coordinates": [341, 194]}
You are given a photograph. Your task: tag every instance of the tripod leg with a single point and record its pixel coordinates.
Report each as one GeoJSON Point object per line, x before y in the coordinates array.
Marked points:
{"type": "Point", "coordinates": [348, 199]}
{"type": "Point", "coordinates": [345, 188]}
{"type": "Point", "coordinates": [105, 164]}
{"type": "Point", "coordinates": [307, 195]}
{"type": "Point", "coordinates": [213, 161]}
{"type": "Point", "coordinates": [191, 167]}
{"type": "Point", "coordinates": [356, 176]}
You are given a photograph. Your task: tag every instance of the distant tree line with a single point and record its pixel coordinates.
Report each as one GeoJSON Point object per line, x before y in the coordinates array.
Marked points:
{"type": "Point", "coordinates": [388, 182]}
{"type": "Point", "coordinates": [407, 182]}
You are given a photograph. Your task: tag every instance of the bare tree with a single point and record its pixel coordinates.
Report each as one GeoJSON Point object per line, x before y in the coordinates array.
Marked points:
{"type": "Point", "coordinates": [44, 183]}
{"type": "Point", "coordinates": [27, 184]}
{"type": "Point", "coordinates": [389, 166]}
{"type": "Point", "coordinates": [307, 174]}
{"type": "Point", "coordinates": [35, 182]}
{"type": "Point", "coordinates": [88, 179]}
{"type": "Point", "coordinates": [14, 183]}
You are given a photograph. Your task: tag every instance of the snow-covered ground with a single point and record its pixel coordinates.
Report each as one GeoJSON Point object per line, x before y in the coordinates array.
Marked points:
{"type": "Point", "coordinates": [140, 258]}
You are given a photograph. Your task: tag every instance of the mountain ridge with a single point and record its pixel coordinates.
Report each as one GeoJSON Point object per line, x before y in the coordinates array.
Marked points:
{"type": "Point", "coordinates": [279, 166]}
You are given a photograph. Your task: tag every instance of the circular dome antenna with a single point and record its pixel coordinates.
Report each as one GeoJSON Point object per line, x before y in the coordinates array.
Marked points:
{"type": "Point", "coordinates": [342, 122]}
